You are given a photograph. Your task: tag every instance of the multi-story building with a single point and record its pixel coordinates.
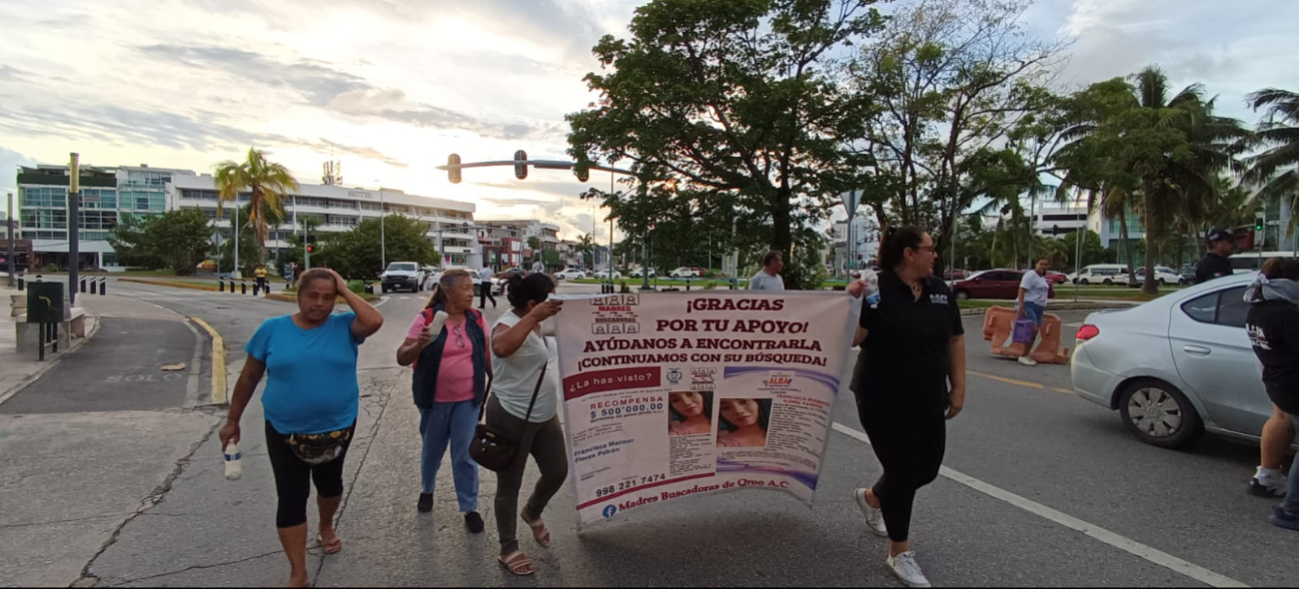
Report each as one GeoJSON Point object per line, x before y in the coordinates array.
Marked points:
{"type": "Point", "coordinates": [547, 235]}
{"type": "Point", "coordinates": [109, 193]}
{"type": "Point", "coordinates": [502, 247]}
{"type": "Point", "coordinates": [337, 208]}
{"type": "Point", "coordinates": [1057, 221]}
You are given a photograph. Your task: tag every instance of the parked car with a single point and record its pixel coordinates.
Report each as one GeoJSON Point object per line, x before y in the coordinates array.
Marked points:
{"type": "Point", "coordinates": [604, 275]}
{"type": "Point", "coordinates": [685, 272]}
{"type": "Point", "coordinates": [570, 274]}
{"type": "Point", "coordinates": [1100, 274]}
{"type": "Point", "coordinates": [1057, 277]}
{"type": "Point", "coordinates": [403, 276]}
{"type": "Point", "coordinates": [955, 275]}
{"type": "Point", "coordinates": [993, 284]}
{"type": "Point", "coordinates": [1177, 366]}
{"type": "Point", "coordinates": [637, 273]}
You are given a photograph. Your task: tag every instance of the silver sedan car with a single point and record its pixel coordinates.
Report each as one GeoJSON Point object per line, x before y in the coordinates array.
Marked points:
{"type": "Point", "coordinates": [1177, 366]}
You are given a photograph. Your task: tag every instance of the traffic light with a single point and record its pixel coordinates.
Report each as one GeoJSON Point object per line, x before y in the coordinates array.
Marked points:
{"type": "Point", "coordinates": [1258, 223]}
{"type": "Point", "coordinates": [311, 249]}
{"type": "Point", "coordinates": [453, 169]}
{"type": "Point", "coordinates": [1055, 230]}
{"type": "Point", "coordinates": [583, 173]}
{"type": "Point", "coordinates": [520, 169]}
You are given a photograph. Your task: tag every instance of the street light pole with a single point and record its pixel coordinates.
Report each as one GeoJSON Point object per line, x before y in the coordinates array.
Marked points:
{"type": "Point", "coordinates": [383, 231]}
{"type": "Point", "coordinates": [234, 270]}
{"type": "Point", "coordinates": [9, 220]}
{"type": "Point", "coordinates": [74, 208]}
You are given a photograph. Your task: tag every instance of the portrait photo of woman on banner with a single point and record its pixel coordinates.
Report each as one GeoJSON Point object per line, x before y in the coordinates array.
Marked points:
{"type": "Point", "coordinates": [690, 413]}
{"type": "Point", "coordinates": [743, 423]}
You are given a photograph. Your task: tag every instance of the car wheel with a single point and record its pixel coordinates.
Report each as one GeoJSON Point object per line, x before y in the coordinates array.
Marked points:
{"type": "Point", "coordinates": [1159, 414]}
{"type": "Point", "coordinates": [1108, 282]}
{"type": "Point", "coordinates": [1086, 282]}
{"type": "Point", "coordinates": [962, 295]}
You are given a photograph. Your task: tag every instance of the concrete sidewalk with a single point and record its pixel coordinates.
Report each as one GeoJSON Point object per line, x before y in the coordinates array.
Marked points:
{"type": "Point", "coordinates": [17, 370]}
{"type": "Point", "coordinates": [95, 439]}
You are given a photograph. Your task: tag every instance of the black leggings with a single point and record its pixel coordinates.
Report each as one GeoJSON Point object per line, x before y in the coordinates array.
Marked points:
{"type": "Point", "coordinates": [909, 442]}
{"type": "Point", "coordinates": [293, 479]}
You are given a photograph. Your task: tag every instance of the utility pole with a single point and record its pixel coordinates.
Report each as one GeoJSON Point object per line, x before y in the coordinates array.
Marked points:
{"type": "Point", "coordinates": [306, 245]}
{"type": "Point", "coordinates": [383, 232]}
{"type": "Point", "coordinates": [9, 220]}
{"type": "Point", "coordinates": [74, 216]}
{"type": "Point", "coordinates": [234, 270]}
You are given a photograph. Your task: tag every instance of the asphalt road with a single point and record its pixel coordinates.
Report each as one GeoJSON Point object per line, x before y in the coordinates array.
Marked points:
{"type": "Point", "coordinates": [1041, 488]}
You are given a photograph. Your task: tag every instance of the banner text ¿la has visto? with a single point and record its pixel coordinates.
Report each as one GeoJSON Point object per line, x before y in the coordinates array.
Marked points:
{"type": "Point", "coordinates": [672, 395]}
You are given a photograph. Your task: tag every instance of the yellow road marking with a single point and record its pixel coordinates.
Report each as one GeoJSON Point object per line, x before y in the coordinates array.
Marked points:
{"type": "Point", "coordinates": [219, 393]}
{"type": "Point", "coordinates": [1065, 391]}
{"type": "Point", "coordinates": [1022, 383]}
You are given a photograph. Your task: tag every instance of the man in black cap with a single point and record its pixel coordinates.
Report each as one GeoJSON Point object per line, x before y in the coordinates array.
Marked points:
{"type": "Point", "coordinates": [1215, 263]}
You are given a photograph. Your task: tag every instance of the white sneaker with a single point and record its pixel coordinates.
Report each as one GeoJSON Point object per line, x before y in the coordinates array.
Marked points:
{"type": "Point", "coordinates": [874, 517]}
{"type": "Point", "coordinates": [1026, 361]}
{"type": "Point", "coordinates": [904, 567]}
{"type": "Point", "coordinates": [1268, 483]}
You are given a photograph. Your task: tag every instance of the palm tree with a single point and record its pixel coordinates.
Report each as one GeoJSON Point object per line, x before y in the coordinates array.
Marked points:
{"type": "Point", "coordinates": [1276, 170]}
{"type": "Point", "coordinates": [586, 247]}
{"type": "Point", "coordinates": [267, 182]}
{"type": "Point", "coordinates": [1168, 148]}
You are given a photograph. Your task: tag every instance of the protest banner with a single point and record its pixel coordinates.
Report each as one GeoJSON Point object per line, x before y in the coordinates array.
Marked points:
{"type": "Point", "coordinates": [672, 395]}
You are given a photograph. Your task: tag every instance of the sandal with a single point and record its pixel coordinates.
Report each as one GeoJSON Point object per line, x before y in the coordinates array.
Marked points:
{"type": "Point", "coordinates": [539, 531]}
{"type": "Point", "coordinates": [332, 547]}
{"type": "Point", "coordinates": [518, 563]}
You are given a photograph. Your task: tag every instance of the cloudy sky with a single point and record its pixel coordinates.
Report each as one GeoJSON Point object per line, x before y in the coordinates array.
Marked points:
{"type": "Point", "coordinates": [390, 87]}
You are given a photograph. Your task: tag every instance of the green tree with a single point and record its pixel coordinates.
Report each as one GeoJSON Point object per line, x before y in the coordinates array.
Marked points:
{"type": "Point", "coordinates": [266, 182]}
{"type": "Point", "coordinates": [356, 253]}
{"type": "Point", "coordinates": [586, 248]}
{"type": "Point", "coordinates": [131, 244]}
{"type": "Point", "coordinates": [948, 83]}
{"type": "Point", "coordinates": [719, 97]}
{"type": "Point", "coordinates": [180, 239]}
{"type": "Point", "coordinates": [1276, 170]}
{"type": "Point", "coordinates": [1168, 147]}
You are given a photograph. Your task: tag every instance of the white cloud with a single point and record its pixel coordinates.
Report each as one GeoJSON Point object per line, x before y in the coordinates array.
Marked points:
{"type": "Point", "coordinates": [392, 87]}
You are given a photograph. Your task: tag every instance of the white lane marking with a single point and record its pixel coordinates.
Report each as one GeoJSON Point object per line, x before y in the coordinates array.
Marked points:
{"type": "Point", "coordinates": [1078, 324]}
{"type": "Point", "coordinates": [1128, 545]}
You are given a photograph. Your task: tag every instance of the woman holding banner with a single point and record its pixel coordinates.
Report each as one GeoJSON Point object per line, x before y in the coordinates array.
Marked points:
{"type": "Point", "coordinates": [525, 406]}
{"type": "Point", "coordinates": [910, 379]}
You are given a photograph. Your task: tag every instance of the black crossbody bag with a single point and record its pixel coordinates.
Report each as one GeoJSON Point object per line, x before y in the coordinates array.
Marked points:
{"type": "Point", "coordinates": [491, 448]}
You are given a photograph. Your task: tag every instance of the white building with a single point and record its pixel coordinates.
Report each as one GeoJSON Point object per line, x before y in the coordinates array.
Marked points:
{"type": "Point", "coordinates": [1055, 221]}
{"type": "Point", "coordinates": [110, 192]}
{"type": "Point", "coordinates": [339, 208]}
{"type": "Point", "coordinates": [866, 236]}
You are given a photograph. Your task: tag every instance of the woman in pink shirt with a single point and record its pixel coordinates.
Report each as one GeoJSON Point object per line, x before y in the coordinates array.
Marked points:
{"type": "Point", "coordinates": [448, 345]}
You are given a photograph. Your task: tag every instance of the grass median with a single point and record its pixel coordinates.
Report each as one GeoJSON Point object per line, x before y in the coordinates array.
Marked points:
{"type": "Point", "coordinates": [288, 296]}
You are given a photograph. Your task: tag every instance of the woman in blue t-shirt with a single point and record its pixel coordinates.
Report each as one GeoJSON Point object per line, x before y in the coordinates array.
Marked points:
{"type": "Point", "coordinates": [311, 401]}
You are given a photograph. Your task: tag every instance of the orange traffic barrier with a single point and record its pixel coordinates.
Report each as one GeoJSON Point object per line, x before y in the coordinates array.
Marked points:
{"type": "Point", "coordinates": [999, 322]}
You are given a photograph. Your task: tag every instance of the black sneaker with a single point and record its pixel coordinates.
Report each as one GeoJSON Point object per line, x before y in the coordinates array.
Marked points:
{"type": "Point", "coordinates": [1269, 487]}
{"type": "Point", "coordinates": [425, 502]}
{"type": "Point", "coordinates": [474, 522]}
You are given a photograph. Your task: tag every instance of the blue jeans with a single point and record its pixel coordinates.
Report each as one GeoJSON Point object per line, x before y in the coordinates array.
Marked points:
{"type": "Point", "coordinates": [1035, 312]}
{"type": "Point", "coordinates": [1292, 497]}
{"type": "Point", "coordinates": [452, 423]}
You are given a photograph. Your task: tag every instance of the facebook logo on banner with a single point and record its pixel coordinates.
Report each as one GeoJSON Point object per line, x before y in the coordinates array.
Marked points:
{"type": "Point", "coordinates": [609, 510]}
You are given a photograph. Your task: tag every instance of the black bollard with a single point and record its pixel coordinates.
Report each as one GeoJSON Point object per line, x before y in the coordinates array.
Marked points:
{"type": "Point", "coordinates": [22, 282]}
{"type": "Point", "coordinates": [103, 287]}
{"type": "Point", "coordinates": [221, 283]}
{"type": "Point", "coordinates": [257, 288]}
{"type": "Point", "coordinates": [82, 286]}
{"type": "Point", "coordinates": [243, 287]}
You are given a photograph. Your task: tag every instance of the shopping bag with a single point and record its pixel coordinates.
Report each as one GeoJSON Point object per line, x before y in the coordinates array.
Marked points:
{"type": "Point", "coordinates": [1023, 333]}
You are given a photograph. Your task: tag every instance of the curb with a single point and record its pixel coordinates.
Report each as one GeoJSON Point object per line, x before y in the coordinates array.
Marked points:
{"type": "Point", "coordinates": [220, 392]}
{"type": "Point", "coordinates": [51, 363]}
{"type": "Point", "coordinates": [191, 286]}
{"type": "Point", "coordinates": [1052, 308]}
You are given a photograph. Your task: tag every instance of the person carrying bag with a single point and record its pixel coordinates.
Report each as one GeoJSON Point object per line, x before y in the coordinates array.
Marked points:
{"type": "Point", "coordinates": [522, 417]}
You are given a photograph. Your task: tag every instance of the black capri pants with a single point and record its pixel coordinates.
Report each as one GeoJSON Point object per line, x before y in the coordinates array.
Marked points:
{"type": "Point", "coordinates": [293, 478]}
{"type": "Point", "coordinates": [909, 435]}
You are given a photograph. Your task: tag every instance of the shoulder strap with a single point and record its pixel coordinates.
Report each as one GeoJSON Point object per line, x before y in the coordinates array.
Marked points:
{"type": "Point", "coordinates": [537, 389]}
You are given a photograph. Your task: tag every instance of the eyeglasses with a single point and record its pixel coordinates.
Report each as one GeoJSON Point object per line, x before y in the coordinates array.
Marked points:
{"type": "Point", "coordinates": [926, 248]}
{"type": "Point", "coordinates": [460, 335]}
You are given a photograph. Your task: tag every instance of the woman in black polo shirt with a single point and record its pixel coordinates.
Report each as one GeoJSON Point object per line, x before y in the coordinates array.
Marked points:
{"type": "Point", "coordinates": [910, 379]}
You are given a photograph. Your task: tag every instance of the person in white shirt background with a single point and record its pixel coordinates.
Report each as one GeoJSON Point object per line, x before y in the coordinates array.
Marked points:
{"type": "Point", "coordinates": [485, 287]}
{"type": "Point", "coordinates": [769, 277]}
{"type": "Point", "coordinates": [1033, 293]}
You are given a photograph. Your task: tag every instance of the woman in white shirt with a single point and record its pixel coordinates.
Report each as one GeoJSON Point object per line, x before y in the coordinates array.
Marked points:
{"type": "Point", "coordinates": [1033, 294]}
{"type": "Point", "coordinates": [520, 357]}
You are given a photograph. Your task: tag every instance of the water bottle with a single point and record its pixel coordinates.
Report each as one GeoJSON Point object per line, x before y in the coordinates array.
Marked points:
{"type": "Point", "coordinates": [234, 462]}
{"type": "Point", "coordinates": [439, 321]}
{"type": "Point", "coordinates": [872, 281]}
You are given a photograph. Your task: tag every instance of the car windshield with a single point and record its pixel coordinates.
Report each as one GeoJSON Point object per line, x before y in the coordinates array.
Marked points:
{"type": "Point", "coordinates": [400, 267]}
